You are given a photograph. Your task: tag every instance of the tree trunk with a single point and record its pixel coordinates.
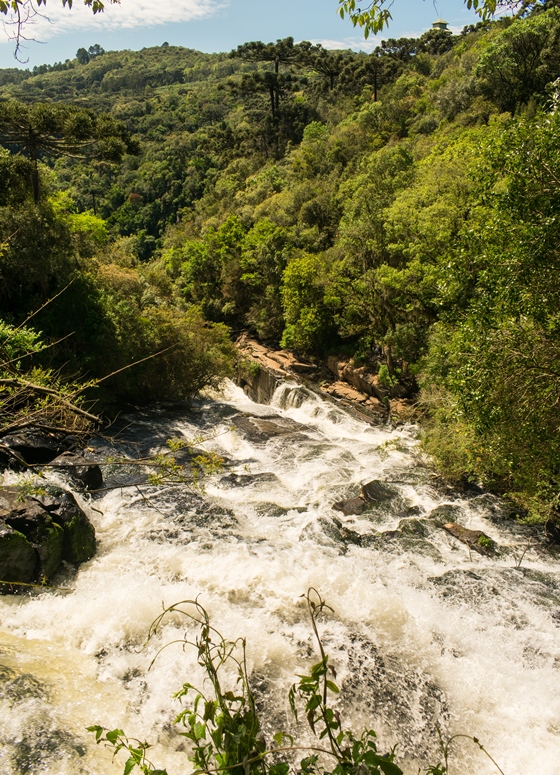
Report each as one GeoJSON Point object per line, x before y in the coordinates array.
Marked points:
{"type": "Point", "coordinates": [32, 150]}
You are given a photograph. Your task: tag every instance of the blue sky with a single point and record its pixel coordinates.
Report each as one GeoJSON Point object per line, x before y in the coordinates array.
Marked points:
{"type": "Point", "coordinates": [214, 25]}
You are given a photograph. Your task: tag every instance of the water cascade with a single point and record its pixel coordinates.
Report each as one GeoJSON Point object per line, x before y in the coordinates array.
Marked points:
{"type": "Point", "coordinates": [424, 633]}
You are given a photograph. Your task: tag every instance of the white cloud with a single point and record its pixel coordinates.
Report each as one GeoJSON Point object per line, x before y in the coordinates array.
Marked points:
{"type": "Point", "coordinates": [357, 44]}
{"type": "Point", "coordinates": [126, 15]}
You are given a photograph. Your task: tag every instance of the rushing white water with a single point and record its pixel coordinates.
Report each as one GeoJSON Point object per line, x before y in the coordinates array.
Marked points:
{"type": "Point", "coordinates": [422, 633]}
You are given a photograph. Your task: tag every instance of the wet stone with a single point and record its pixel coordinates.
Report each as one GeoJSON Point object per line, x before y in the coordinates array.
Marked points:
{"type": "Point", "coordinates": [419, 528]}
{"type": "Point", "coordinates": [402, 542]}
{"type": "Point", "coordinates": [492, 507]}
{"type": "Point", "coordinates": [81, 470]}
{"type": "Point", "coordinates": [351, 506]}
{"type": "Point", "coordinates": [261, 429]}
{"type": "Point", "coordinates": [79, 534]}
{"type": "Point", "coordinates": [41, 531]}
{"type": "Point", "coordinates": [504, 588]}
{"type": "Point", "coordinates": [17, 557]}
{"type": "Point", "coordinates": [40, 748]}
{"type": "Point", "coordinates": [35, 447]}
{"type": "Point", "coordinates": [445, 513]}
{"type": "Point", "coordinates": [377, 492]}
{"type": "Point", "coordinates": [245, 480]}
{"type": "Point", "coordinates": [385, 686]}
{"type": "Point", "coordinates": [19, 688]}
{"type": "Point", "coordinates": [474, 539]}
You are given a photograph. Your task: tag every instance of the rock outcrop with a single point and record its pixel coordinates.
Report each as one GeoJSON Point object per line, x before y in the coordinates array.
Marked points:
{"type": "Point", "coordinates": [35, 447]}
{"type": "Point", "coordinates": [37, 533]}
{"type": "Point", "coordinates": [261, 369]}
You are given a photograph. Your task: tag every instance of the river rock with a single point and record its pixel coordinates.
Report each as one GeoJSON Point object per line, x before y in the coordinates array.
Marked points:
{"type": "Point", "coordinates": [17, 556]}
{"type": "Point", "coordinates": [37, 533]}
{"type": "Point", "coordinates": [411, 540]}
{"type": "Point", "coordinates": [377, 492]}
{"type": "Point", "coordinates": [261, 369]}
{"type": "Point", "coordinates": [446, 513]}
{"type": "Point", "coordinates": [79, 534]}
{"type": "Point", "coordinates": [260, 429]}
{"type": "Point", "coordinates": [36, 447]}
{"type": "Point", "coordinates": [350, 506]}
{"type": "Point", "coordinates": [83, 471]}
{"type": "Point", "coordinates": [246, 480]}
{"type": "Point", "coordinates": [474, 539]}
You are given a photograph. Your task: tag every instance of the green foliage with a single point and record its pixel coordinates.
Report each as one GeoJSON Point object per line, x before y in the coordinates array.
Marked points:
{"type": "Point", "coordinates": [32, 396]}
{"type": "Point", "coordinates": [521, 60]}
{"type": "Point", "coordinates": [384, 377]}
{"type": "Point", "coordinates": [376, 16]}
{"type": "Point", "coordinates": [308, 327]}
{"type": "Point", "coordinates": [498, 358]}
{"type": "Point", "coordinates": [222, 724]}
{"type": "Point", "coordinates": [43, 128]}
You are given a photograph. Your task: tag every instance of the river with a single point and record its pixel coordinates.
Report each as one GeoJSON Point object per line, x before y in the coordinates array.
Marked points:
{"type": "Point", "coordinates": [423, 631]}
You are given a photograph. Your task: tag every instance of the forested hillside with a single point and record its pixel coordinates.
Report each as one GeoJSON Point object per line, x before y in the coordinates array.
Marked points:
{"type": "Point", "coordinates": [325, 201]}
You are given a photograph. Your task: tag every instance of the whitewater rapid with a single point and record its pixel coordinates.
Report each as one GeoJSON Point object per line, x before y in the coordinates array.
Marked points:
{"type": "Point", "coordinates": [424, 633]}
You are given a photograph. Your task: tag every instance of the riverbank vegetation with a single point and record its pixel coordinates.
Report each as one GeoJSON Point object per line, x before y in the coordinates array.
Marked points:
{"type": "Point", "coordinates": [326, 201]}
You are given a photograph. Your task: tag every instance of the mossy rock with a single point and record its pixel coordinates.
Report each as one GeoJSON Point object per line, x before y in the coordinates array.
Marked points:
{"type": "Point", "coordinates": [50, 549]}
{"type": "Point", "coordinates": [79, 539]}
{"type": "Point", "coordinates": [17, 557]}
{"type": "Point", "coordinates": [446, 513]}
{"type": "Point", "coordinates": [79, 542]}
{"type": "Point", "coordinates": [37, 533]}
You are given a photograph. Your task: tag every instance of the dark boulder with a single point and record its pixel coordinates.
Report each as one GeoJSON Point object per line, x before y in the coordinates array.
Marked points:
{"type": "Point", "coordinates": [36, 447]}
{"type": "Point", "coordinates": [79, 533]}
{"type": "Point", "coordinates": [17, 557]}
{"type": "Point", "coordinates": [38, 533]}
{"type": "Point", "coordinates": [446, 513]}
{"type": "Point", "coordinates": [377, 492]}
{"type": "Point", "coordinates": [552, 531]}
{"type": "Point", "coordinates": [84, 472]}
{"type": "Point", "coordinates": [246, 480]}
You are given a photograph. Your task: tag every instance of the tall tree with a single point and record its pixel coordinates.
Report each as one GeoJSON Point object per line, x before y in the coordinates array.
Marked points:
{"type": "Point", "coordinates": [61, 130]}
{"type": "Point", "coordinates": [327, 63]}
{"type": "Point", "coordinates": [281, 52]}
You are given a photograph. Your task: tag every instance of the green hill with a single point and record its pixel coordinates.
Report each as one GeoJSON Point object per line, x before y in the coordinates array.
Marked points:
{"type": "Point", "coordinates": [327, 201]}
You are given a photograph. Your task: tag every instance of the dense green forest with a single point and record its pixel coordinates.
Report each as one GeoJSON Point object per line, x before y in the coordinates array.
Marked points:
{"type": "Point", "coordinates": [326, 201]}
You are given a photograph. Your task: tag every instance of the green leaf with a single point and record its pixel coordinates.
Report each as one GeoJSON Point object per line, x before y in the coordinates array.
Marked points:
{"type": "Point", "coordinates": [129, 765]}
{"type": "Point", "coordinates": [98, 732]}
{"type": "Point", "coordinates": [389, 768]}
{"type": "Point", "coordinates": [113, 736]}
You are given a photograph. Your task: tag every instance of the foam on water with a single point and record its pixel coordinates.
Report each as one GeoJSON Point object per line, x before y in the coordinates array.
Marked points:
{"type": "Point", "coordinates": [423, 632]}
